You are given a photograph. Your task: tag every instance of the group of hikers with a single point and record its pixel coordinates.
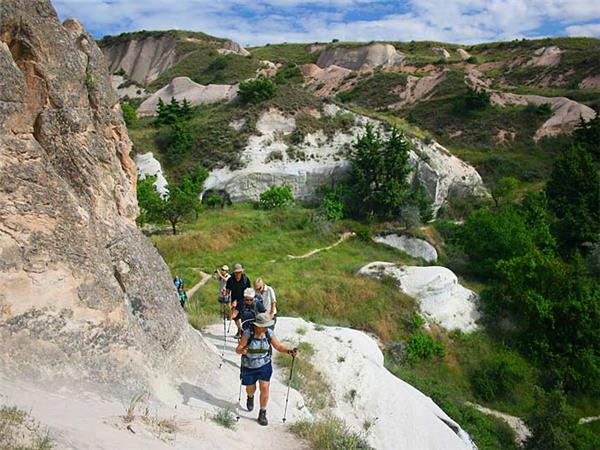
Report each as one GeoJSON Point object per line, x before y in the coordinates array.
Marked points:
{"type": "Point", "coordinates": [254, 312]}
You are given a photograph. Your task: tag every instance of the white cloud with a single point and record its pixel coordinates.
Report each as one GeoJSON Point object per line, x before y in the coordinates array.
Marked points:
{"type": "Point", "coordinates": [589, 30]}
{"type": "Point", "coordinates": [262, 21]}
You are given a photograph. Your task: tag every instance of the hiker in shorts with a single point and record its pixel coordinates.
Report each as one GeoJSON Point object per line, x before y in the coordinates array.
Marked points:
{"type": "Point", "coordinates": [235, 287]}
{"type": "Point", "coordinates": [180, 285]}
{"type": "Point", "coordinates": [256, 348]}
{"type": "Point", "coordinates": [249, 308]}
{"type": "Point", "coordinates": [222, 275]}
{"type": "Point", "coordinates": [267, 294]}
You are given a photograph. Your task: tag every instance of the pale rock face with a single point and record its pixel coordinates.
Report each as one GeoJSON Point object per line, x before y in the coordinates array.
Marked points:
{"type": "Point", "coordinates": [230, 47]}
{"type": "Point", "coordinates": [147, 165]}
{"type": "Point", "coordinates": [546, 56]}
{"type": "Point", "coordinates": [183, 88]}
{"type": "Point", "coordinates": [129, 91]}
{"type": "Point", "coordinates": [441, 52]}
{"type": "Point", "coordinates": [85, 299]}
{"type": "Point", "coordinates": [464, 55]}
{"type": "Point", "coordinates": [361, 57]}
{"type": "Point", "coordinates": [143, 60]}
{"type": "Point", "coordinates": [566, 113]}
{"type": "Point", "coordinates": [415, 247]}
{"type": "Point", "coordinates": [591, 82]}
{"type": "Point", "coordinates": [319, 161]}
{"type": "Point", "coordinates": [441, 297]}
{"type": "Point", "coordinates": [402, 417]}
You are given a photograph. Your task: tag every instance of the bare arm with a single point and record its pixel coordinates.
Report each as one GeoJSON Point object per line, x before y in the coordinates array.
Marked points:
{"type": "Point", "coordinates": [241, 348]}
{"type": "Point", "coordinates": [282, 348]}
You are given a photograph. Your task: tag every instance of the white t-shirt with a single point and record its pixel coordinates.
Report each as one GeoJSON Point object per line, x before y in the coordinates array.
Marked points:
{"type": "Point", "coordinates": [222, 281]}
{"type": "Point", "coordinates": [268, 298]}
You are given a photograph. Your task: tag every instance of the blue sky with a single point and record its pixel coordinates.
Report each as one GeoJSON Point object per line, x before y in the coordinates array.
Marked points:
{"type": "Point", "coordinates": [272, 21]}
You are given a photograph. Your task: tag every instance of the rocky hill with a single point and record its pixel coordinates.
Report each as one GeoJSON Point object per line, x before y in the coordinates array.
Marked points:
{"type": "Point", "coordinates": [85, 299]}
{"type": "Point", "coordinates": [506, 108]}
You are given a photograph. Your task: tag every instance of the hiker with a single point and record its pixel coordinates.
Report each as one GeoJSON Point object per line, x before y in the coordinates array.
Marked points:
{"type": "Point", "coordinates": [256, 350]}
{"type": "Point", "coordinates": [249, 308]}
{"type": "Point", "coordinates": [235, 287]}
{"type": "Point", "coordinates": [180, 286]}
{"type": "Point", "coordinates": [222, 275]}
{"type": "Point", "coordinates": [267, 293]}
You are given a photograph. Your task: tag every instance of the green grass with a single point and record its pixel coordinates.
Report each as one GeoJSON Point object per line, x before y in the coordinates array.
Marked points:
{"type": "Point", "coordinates": [376, 91]}
{"type": "Point", "coordinates": [285, 54]}
{"type": "Point", "coordinates": [306, 378]}
{"type": "Point", "coordinates": [330, 433]}
{"type": "Point", "coordinates": [225, 418]}
{"type": "Point", "coordinates": [323, 288]}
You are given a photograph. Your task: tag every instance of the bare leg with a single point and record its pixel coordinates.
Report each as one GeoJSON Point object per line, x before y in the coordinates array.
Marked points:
{"type": "Point", "coordinates": [251, 389]}
{"type": "Point", "coordinates": [264, 394]}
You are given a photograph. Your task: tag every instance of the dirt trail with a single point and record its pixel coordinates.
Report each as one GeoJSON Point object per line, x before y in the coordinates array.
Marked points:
{"type": "Point", "coordinates": [517, 424]}
{"type": "Point", "coordinates": [342, 238]}
{"type": "Point", "coordinates": [204, 278]}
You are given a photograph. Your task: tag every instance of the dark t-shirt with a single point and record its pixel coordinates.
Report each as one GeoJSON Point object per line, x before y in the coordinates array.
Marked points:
{"type": "Point", "coordinates": [249, 311]}
{"type": "Point", "coordinates": [237, 287]}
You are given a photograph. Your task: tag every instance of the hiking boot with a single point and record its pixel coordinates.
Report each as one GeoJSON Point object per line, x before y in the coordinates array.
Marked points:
{"type": "Point", "coordinates": [250, 403]}
{"type": "Point", "coordinates": [262, 417]}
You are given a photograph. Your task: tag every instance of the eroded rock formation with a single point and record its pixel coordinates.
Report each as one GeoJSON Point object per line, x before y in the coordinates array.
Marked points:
{"type": "Point", "coordinates": [84, 297]}
{"type": "Point", "coordinates": [360, 56]}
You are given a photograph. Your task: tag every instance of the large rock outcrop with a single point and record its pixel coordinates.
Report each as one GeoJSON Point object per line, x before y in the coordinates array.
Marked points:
{"type": "Point", "coordinates": [85, 299]}
{"type": "Point", "coordinates": [183, 88]}
{"type": "Point", "coordinates": [144, 59]}
{"type": "Point", "coordinates": [442, 299]}
{"type": "Point", "coordinates": [270, 160]}
{"type": "Point", "coordinates": [360, 56]}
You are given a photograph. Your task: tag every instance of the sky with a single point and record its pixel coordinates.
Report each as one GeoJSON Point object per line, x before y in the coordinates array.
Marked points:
{"type": "Point", "coordinates": [258, 22]}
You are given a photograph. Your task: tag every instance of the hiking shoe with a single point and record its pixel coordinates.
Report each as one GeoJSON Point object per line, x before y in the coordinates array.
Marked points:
{"type": "Point", "coordinates": [250, 403]}
{"type": "Point", "coordinates": [262, 417]}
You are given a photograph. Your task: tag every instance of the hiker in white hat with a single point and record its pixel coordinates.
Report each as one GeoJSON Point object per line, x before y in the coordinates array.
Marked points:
{"type": "Point", "coordinates": [256, 348]}
{"type": "Point", "coordinates": [267, 293]}
{"type": "Point", "coordinates": [222, 275]}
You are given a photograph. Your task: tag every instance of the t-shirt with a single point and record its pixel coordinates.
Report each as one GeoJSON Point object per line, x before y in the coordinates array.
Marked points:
{"type": "Point", "coordinates": [237, 287]}
{"type": "Point", "coordinates": [248, 312]}
{"type": "Point", "coordinates": [222, 281]}
{"type": "Point", "coordinates": [259, 350]}
{"type": "Point", "coordinates": [268, 297]}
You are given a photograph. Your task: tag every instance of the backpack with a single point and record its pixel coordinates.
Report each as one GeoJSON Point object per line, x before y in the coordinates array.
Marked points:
{"type": "Point", "coordinates": [268, 335]}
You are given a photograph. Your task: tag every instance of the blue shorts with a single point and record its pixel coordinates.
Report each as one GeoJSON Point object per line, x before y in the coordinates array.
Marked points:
{"type": "Point", "coordinates": [251, 376]}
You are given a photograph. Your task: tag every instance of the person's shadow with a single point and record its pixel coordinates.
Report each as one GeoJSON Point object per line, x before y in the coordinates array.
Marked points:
{"type": "Point", "coordinates": [189, 391]}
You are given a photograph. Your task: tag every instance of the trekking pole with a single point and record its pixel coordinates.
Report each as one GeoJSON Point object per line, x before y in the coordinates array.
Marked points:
{"type": "Point", "coordinates": [224, 342]}
{"type": "Point", "coordinates": [287, 397]}
{"type": "Point", "coordinates": [237, 407]}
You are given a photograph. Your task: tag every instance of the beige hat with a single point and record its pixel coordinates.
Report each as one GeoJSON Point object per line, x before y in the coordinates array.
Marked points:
{"type": "Point", "coordinates": [238, 268]}
{"type": "Point", "coordinates": [225, 268]}
{"type": "Point", "coordinates": [262, 320]}
{"type": "Point", "coordinates": [249, 293]}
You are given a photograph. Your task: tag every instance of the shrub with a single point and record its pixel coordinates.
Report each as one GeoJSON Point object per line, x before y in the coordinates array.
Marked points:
{"type": "Point", "coordinates": [330, 433]}
{"type": "Point", "coordinates": [423, 346]}
{"type": "Point", "coordinates": [472, 60]}
{"type": "Point", "coordinates": [276, 197]}
{"type": "Point", "coordinates": [254, 91]}
{"type": "Point", "coordinates": [225, 418]}
{"type": "Point", "coordinates": [129, 114]}
{"type": "Point", "coordinates": [290, 73]}
{"type": "Point", "coordinates": [475, 100]}
{"type": "Point", "coordinates": [496, 377]}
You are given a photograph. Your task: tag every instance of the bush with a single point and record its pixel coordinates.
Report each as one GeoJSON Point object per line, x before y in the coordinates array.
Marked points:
{"type": "Point", "coordinates": [225, 418]}
{"type": "Point", "coordinates": [290, 73]}
{"type": "Point", "coordinates": [475, 100]}
{"type": "Point", "coordinates": [472, 60]}
{"type": "Point", "coordinates": [496, 377]}
{"type": "Point", "coordinates": [330, 433]}
{"type": "Point", "coordinates": [276, 197]}
{"type": "Point", "coordinates": [423, 346]}
{"type": "Point", "coordinates": [254, 91]}
{"type": "Point", "coordinates": [129, 114]}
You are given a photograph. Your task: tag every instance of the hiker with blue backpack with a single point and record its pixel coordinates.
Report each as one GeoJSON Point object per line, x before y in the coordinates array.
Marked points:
{"type": "Point", "coordinates": [180, 285]}
{"type": "Point", "coordinates": [256, 347]}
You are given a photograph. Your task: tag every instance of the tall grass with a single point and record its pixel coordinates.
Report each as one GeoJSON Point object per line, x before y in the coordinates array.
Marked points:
{"type": "Point", "coordinates": [330, 433]}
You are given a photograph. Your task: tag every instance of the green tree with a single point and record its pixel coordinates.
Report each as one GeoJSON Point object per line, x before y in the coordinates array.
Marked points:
{"type": "Point", "coordinates": [178, 205]}
{"type": "Point", "coordinates": [504, 191]}
{"type": "Point", "coordinates": [573, 192]}
{"type": "Point", "coordinates": [587, 134]}
{"type": "Point", "coordinates": [254, 91]}
{"type": "Point", "coordinates": [149, 201]}
{"type": "Point", "coordinates": [379, 174]}
{"type": "Point", "coordinates": [186, 111]}
{"type": "Point", "coordinates": [129, 114]}
{"type": "Point", "coordinates": [180, 142]}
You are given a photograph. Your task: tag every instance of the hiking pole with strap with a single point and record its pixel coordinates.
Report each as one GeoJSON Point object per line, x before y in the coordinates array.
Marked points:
{"type": "Point", "coordinates": [287, 397]}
